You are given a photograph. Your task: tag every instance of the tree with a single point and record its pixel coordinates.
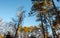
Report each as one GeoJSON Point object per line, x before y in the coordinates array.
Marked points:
{"type": "Point", "coordinates": [20, 16]}
{"type": "Point", "coordinates": [26, 30]}
{"type": "Point", "coordinates": [41, 9]}
{"type": "Point", "coordinates": [45, 10]}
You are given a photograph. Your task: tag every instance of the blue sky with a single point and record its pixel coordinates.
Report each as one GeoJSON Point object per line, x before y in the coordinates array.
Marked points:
{"type": "Point", "coordinates": [8, 9]}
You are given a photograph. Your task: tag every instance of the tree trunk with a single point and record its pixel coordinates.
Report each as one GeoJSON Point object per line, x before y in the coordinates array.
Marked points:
{"type": "Point", "coordinates": [43, 31]}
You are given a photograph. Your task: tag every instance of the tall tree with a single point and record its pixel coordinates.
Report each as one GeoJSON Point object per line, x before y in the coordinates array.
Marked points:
{"type": "Point", "coordinates": [46, 12]}
{"type": "Point", "coordinates": [20, 15]}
